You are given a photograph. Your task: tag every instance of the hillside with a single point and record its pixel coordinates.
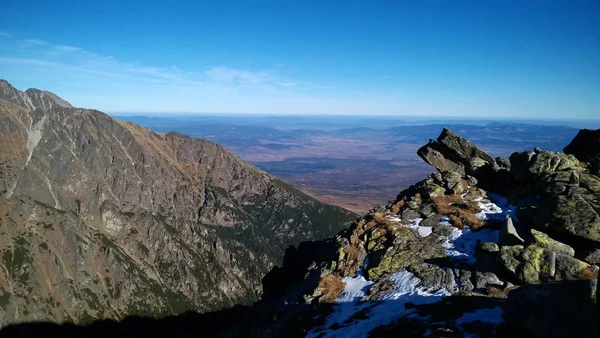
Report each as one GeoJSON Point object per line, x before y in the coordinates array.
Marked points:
{"type": "Point", "coordinates": [105, 219]}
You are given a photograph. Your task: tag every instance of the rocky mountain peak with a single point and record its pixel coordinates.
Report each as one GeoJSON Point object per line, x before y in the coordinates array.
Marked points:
{"type": "Point", "coordinates": [32, 98]}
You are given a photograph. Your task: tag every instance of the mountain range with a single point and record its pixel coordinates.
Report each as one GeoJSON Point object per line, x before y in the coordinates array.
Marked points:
{"type": "Point", "coordinates": [102, 219]}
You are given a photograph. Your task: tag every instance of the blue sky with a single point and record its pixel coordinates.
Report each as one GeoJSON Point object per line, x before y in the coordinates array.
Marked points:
{"type": "Point", "coordinates": [534, 59]}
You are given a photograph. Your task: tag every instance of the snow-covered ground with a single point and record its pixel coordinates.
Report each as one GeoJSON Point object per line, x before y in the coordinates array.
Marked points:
{"type": "Point", "coordinates": [376, 313]}
{"type": "Point", "coordinates": [414, 224]}
{"type": "Point", "coordinates": [461, 243]}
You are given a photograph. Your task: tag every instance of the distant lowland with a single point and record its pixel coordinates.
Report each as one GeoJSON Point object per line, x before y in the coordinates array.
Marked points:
{"type": "Point", "coordinates": [356, 162]}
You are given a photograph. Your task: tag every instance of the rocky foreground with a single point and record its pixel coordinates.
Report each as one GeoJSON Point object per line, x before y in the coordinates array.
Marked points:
{"type": "Point", "coordinates": [450, 259]}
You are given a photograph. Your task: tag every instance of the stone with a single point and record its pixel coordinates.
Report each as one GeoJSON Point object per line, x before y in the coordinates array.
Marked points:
{"type": "Point", "coordinates": [462, 148]}
{"type": "Point", "coordinates": [593, 257]}
{"type": "Point", "coordinates": [464, 280]}
{"type": "Point", "coordinates": [535, 264]}
{"type": "Point", "coordinates": [434, 157]}
{"type": "Point", "coordinates": [472, 180]}
{"type": "Point", "coordinates": [563, 309]}
{"type": "Point", "coordinates": [450, 178]}
{"type": "Point", "coordinates": [483, 279]}
{"type": "Point", "coordinates": [409, 214]}
{"type": "Point", "coordinates": [503, 163]}
{"type": "Point", "coordinates": [543, 240]}
{"type": "Point", "coordinates": [573, 214]}
{"type": "Point", "coordinates": [509, 235]}
{"type": "Point", "coordinates": [527, 166]}
{"type": "Point", "coordinates": [434, 190]}
{"type": "Point", "coordinates": [489, 247]}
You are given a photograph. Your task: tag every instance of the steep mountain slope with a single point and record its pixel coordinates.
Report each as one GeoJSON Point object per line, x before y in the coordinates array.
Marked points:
{"type": "Point", "coordinates": [103, 219]}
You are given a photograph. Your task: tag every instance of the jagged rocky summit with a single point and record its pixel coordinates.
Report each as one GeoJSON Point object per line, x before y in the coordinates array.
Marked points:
{"type": "Point", "coordinates": [105, 219]}
{"type": "Point", "coordinates": [449, 258]}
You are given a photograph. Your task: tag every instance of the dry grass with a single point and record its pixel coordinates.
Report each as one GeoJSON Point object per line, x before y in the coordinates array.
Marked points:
{"type": "Point", "coordinates": [375, 219]}
{"type": "Point", "coordinates": [442, 203]}
{"type": "Point", "coordinates": [351, 253]}
{"type": "Point", "coordinates": [396, 208]}
{"type": "Point", "coordinates": [456, 221]}
{"type": "Point", "coordinates": [331, 288]}
{"type": "Point", "coordinates": [461, 213]}
{"type": "Point", "coordinates": [588, 273]}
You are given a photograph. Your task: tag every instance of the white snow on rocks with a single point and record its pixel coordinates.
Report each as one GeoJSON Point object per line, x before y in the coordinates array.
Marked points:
{"type": "Point", "coordinates": [461, 243]}
{"type": "Point", "coordinates": [414, 224]}
{"type": "Point", "coordinates": [381, 312]}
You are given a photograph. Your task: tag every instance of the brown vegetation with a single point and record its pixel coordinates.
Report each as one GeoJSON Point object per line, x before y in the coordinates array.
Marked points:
{"type": "Point", "coordinates": [588, 273]}
{"type": "Point", "coordinates": [331, 288]}
{"type": "Point", "coordinates": [460, 212]}
{"type": "Point", "coordinates": [396, 208]}
{"type": "Point", "coordinates": [351, 253]}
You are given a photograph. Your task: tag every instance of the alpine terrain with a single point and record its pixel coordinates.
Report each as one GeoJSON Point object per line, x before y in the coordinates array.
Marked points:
{"type": "Point", "coordinates": [101, 219]}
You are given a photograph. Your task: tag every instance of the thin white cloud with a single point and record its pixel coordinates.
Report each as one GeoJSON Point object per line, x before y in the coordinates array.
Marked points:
{"type": "Point", "coordinates": [233, 75]}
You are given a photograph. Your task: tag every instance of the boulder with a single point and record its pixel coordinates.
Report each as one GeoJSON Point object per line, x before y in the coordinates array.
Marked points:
{"type": "Point", "coordinates": [528, 166]}
{"type": "Point", "coordinates": [573, 214]}
{"type": "Point", "coordinates": [430, 154]}
{"type": "Point", "coordinates": [509, 235]}
{"type": "Point", "coordinates": [488, 247]}
{"type": "Point", "coordinates": [563, 309]}
{"type": "Point", "coordinates": [464, 280]}
{"type": "Point", "coordinates": [463, 148]}
{"type": "Point", "coordinates": [483, 279]}
{"type": "Point", "coordinates": [593, 257]}
{"type": "Point", "coordinates": [453, 153]}
{"type": "Point", "coordinates": [542, 240]}
{"type": "Point", "coordinates": [535, 264]}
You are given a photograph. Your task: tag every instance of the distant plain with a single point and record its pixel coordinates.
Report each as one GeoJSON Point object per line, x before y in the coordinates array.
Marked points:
{"type": "Point", "coordinates": [356, 162]}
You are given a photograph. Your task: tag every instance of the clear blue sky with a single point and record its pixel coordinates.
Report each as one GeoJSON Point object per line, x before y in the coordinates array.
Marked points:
{"type": "Point", "coordinates": [439, 58]}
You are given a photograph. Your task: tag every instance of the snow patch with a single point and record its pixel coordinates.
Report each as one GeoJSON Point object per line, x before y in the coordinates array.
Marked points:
{"type": "Point", "coordinates": [461, 243]}
{"type": "Point", "coordinates": [413, 224]}
{"type": "Point", "coordinates": [492, 315]}
{"type": "Point", "coordinates": [376, 313]}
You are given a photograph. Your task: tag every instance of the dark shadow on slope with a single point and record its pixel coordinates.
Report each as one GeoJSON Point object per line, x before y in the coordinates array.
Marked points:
{"type": "Point", "coordinates": [560, 309]}
{"type": "Point", "coordinates": [281, 280]}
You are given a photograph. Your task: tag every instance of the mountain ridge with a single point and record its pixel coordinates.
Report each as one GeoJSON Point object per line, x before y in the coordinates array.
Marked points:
{"type": "Point", "coordinates": [95, 209]}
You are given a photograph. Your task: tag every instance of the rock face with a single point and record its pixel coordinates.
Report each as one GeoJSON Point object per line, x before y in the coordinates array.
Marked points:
{"type": "Point", "coordinates": [586, 147]}
{"type": "Point", "coordinates": [103, 219]}
{"type": "Point", "coordinates": [453, 153]}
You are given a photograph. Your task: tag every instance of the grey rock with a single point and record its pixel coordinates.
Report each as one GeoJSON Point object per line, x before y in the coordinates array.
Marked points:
{"type": "Point", "coordinates": [543, 240]}
{"type": "Point", "coordinates": [509, 235]}
{"type": "Point", "coordinates": [483, 279]}
{"type": "Point", "coordinates": [593, 257]}
{"type": "Point", "coordinates": [563, 309]}
{"type": "Point", "coordinates": [489, 247]}
{"type": "Point", "coordinates": [465, 281]}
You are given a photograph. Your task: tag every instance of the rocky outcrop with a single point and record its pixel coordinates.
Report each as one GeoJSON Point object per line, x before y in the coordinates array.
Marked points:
{"type": "Point", "coordinates": [586, 148]}
{"type": "Point", "coordinates": [103, 219]}
{"type": "Point", "coordinates": [501, 259]}
{"type": "Point", "coordinates": [453, 153]}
